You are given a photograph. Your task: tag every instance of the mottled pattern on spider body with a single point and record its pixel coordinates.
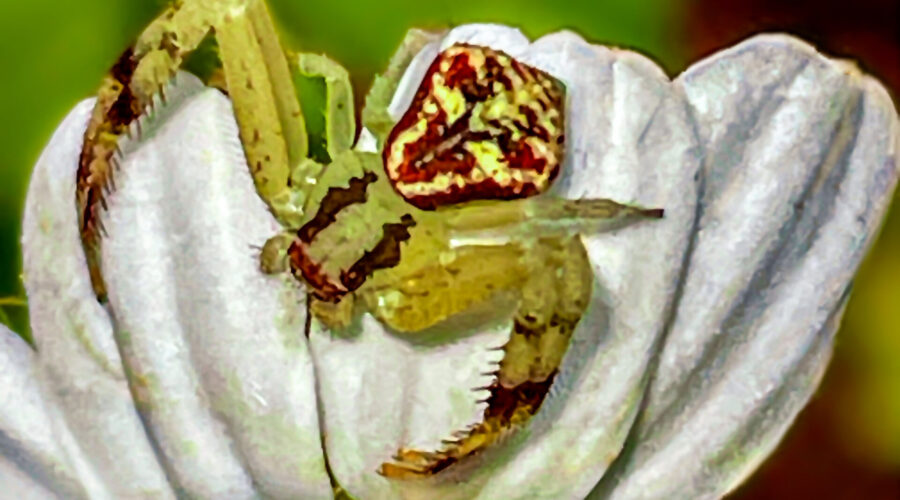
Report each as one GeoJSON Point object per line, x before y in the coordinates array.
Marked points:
{"type": "Point", "coordinates": [355, 229]}
{"type": "Point", "coordinates": [482, 125]}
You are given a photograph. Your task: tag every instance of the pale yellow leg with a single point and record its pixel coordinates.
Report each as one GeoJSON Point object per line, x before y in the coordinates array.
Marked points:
{"type": "Point", "coordinates": [432, 294]}
{"type": "Point", "coordinates": [257, 74]}
{"type": "Point", "coordinates": [544, 215]}
{"type": "Point", "coordinates": [340, 122]}
{"type": "Point", "coordinates": [375, 116]}
{"type": "Point", "coordinates": [557, 280]}
{"type": "Point", "coordinates": [259, 83]}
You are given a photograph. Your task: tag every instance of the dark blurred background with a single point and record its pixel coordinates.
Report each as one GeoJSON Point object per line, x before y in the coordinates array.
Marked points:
{"type": "Point", "coordinates": [846, 444]}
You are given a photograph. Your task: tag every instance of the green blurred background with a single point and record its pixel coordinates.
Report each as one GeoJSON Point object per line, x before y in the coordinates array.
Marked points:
{"type": "Point", "coordinates": [846, 444]}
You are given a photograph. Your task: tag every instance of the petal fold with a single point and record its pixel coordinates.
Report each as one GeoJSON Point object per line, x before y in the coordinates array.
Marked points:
{"type": "Point", "coordinates": [34, 459]}
{"type": "Point", "coordinates": [214, 350]}
{"type": "Point", "coordinates": [78, 361]}
{"type": "Point", "coordinates": [801, 162]}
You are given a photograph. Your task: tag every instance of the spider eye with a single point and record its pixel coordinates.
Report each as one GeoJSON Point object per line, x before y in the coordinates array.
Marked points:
{"type": "Point", "coordinates": [482, 125]}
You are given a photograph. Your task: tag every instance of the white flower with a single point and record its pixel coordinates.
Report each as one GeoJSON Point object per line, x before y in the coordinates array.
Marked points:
{"type": "Point", "coordinates": [707, 333]}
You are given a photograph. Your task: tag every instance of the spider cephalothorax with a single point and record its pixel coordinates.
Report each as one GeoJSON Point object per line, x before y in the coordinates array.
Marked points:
{"type": "Point", "coordinates": [482, 126]}
{"type": "Point", "coordinates": [452, 212]}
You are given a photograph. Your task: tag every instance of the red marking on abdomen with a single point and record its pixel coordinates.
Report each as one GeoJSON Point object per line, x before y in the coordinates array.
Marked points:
{"type": "Point", "coordinates": [442, 149]}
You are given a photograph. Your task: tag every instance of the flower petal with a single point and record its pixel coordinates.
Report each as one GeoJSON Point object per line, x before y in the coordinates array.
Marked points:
{"type": "Point", "coordinates": [78, 360]}
{"type": "Point", "coordinates": [629, 138]}
{"type": "Point", "coordinates": [801, 163]}
{"type": "Point", "coordinates": [214, 350]}
{"type": "Point", "coordinates": [34, 460]}
{"type": "Point", "coordinates": [19, 484]}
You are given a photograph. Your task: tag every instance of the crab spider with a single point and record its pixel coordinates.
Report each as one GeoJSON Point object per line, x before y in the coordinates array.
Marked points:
{"type": "Point", "coordinates": [453, 211]}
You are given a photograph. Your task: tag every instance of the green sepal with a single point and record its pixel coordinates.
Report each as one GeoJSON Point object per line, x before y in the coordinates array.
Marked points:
{"type": "Point", "coordinates": [375, 116]}
{"type": "Point", "coordinates": [4, 319]}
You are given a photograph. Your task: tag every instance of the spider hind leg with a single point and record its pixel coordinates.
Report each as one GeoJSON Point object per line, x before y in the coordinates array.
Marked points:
{"type": "Point", "coordinates": [554, 297]}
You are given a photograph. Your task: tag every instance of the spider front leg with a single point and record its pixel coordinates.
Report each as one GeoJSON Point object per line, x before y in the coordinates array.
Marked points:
{"type": "Point", "coordinates": [545, 215]}
{"type": "Point", "coordinates": [259, 83]}
{"type": "Point", "coordinates": [538, 255]}
{"type": "Point", "coordinates": [557, 279]}
{"type": "Point", "coordinates": [469, 250]}
{"type": "Point", "coordinates": [375, 115]}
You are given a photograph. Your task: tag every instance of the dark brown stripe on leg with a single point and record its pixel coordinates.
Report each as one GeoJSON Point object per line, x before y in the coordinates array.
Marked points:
{"type": "Point", "coordinates": [115, 110]}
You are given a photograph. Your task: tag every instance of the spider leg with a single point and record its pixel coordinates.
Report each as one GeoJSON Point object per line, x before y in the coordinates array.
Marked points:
{"type": "Point", "coordinates": [259, 83]}
{"type": "Point", "coordinates": [375, 116]}
{"type": "Point", "coordinates": [420, 296]}
{"type": "Point", "coordinates": [340, 123]}
{"type": "Point", "coordinates": [339, 132]}
{"type": "Point", "coordinates": [541, 215]}
{"type": "Point", "coordinates": [554, 297]}
{"type": "Point", "coordinates": [265, 103]}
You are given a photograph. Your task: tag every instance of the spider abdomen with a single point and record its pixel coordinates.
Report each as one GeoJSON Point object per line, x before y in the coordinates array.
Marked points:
{"type": "Point", "coordinates": [482, 126]}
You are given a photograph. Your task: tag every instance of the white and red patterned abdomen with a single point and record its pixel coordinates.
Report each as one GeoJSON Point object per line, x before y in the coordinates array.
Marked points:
{"type": "Point", "coordinates": [481, 126]}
